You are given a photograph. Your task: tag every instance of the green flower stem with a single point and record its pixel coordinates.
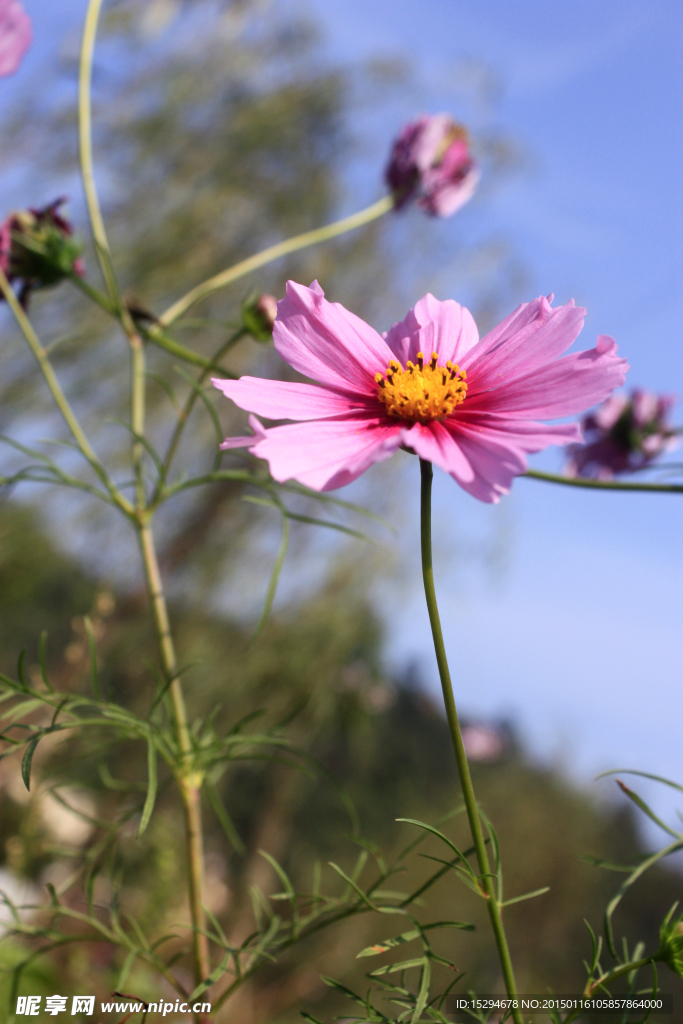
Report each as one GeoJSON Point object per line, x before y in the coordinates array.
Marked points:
{"type": "Point", "coordinates": [184, 413]}
{"type": "Point", "coordinates": [85, 143]}
{"type": "Point", "coordinates": [154, 334]}
{"type": "Point", "coordinates": [189, 780]}
{"type": "Point", "coordinates": [617, 972]}
{"type": "Point", "coordinates": [137, 417]}
{"type": "Point", "coordinates": [486, 879]}
{"type": "Point", "coordinates": [274, 252]}
{"type": "Point", "coordinates": [60, 399]}
{"type": "Point", "coordinates": [97, 296]}
{"type": "Point", "coordinates": [118, 307]}
{"type": "Point", "coordinates": [606, 979]}
{"type": "Point", "coordinates": [604, 485]}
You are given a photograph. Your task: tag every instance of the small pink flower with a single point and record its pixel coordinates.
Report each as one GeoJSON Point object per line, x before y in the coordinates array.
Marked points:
{"type": "Point", "coordinates": [623, 435]}
{"type": "Point", "coordinates": [15, 35]}
{"type": "Point", "coordinates": [431, 160]}
{"type": "Point", "coordinates": [429, 384]}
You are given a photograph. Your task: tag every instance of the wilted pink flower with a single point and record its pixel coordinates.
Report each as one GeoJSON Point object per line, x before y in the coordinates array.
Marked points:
{"type": "Point", "coordinates": [38, 249]}
{"type": "Point", "coordinates": [15, 35]}
{"type": "Point", "coordinates": [475, 418]}
{"type": "Point", "coordinates": [431, 160]}
{"type": "Point", "coordinates": [625, 434]}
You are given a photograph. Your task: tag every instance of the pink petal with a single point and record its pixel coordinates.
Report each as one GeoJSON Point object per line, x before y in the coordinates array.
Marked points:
{"type": "Point", "coordinates": [443, 198]}
{"type": "Point", "coordinates": [446, 328]}
{"type": "Point", "coordinates": [534, 334]}
{"type": "Point", "coordinates": [564, 387]}
{"type": "Point", "coordinates": [433, 442]}
{"type": "Point", "coordinates": [433, 128]}
{"type": "Point", "coordinates": [484, 468]}
{"type": "Point", "coordinates": [526, 435]}
{"type": "Point", "coordinates": [285, 400]}
{"type": "Point", "coordinates": [250, 440]}
{"type": "Point", "coordinates": [15, 35]}
{"type": "Point", "coordinates": [327, 453]}
{"type": "Point", "coordinates": [324, 341]}
{"type": "Point", "coordinates": [610, 411]}
{"type": "Point", "coordinates": [495, 465]}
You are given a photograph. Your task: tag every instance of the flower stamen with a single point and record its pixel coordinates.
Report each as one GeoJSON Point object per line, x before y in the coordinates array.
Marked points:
{"type": "Point", "coordinates": [421, 393]}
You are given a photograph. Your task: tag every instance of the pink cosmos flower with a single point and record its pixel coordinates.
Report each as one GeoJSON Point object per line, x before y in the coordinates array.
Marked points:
{"type": "Point", "coordinates": [431, 159]}
{"type": "Point", "coordinates": [625, 434]}
{"type": "Point", "coordinates": [429, 384]}
{"type": "Point", "coordinates": [15, 35]}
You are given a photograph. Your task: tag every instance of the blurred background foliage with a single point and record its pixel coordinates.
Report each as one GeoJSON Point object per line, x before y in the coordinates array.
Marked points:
{"type": "Point", "coordinates": [218, 132]}
{"type": "Point", "coordinates": [383, 740]}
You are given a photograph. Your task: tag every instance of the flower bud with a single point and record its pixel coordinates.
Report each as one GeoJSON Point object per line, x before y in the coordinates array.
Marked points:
{"type": "Point", "coordinates": [15, 35]}
{"type": "Point", "coordinates": [624, 434]}
{"type": "Point", "coordinates": [38, 249]}
{"type": "Point", "coordinates": [670, 949]}
{"type": "Point", "coordinates": [431, 162]}
{"type": "Point", "coordinates": [258, 316]}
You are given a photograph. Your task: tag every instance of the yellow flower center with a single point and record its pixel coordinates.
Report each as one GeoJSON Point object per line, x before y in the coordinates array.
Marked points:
{"type": "Point", "coordinates": [421, 393]}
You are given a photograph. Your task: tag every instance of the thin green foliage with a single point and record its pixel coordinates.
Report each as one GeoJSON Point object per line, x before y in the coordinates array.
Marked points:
{"type": "Point", "coordinates": [151, 787]}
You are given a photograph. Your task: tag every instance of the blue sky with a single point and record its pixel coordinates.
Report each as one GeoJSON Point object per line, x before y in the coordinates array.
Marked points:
{"type": "Point", "coordinates": [579, 641]}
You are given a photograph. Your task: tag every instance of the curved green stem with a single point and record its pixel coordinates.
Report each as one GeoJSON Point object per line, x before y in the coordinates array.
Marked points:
{"type": "Point", "coordinates": [117, 307]}
{"type": "Point", "coordinates": [618, 972]}
{"type": "Point", "coordinates": [485, 877]}
{"type": "Point", "coordinates": [606, 979]}
{"type": "Point", "coordinates": [154, 334]}
{"type": "Point", "coordinates": [274, 252]}
{"type": "Point", "coordinates": [60, 399]}
{"type": "Point", "coordinates": [85, 144]}
{"type": "Point", "coordinates": [604, 485]}
{"type": "Point", "coordinates": [184, 413]}
{"type": "Point", "coordinates": [97, 296]}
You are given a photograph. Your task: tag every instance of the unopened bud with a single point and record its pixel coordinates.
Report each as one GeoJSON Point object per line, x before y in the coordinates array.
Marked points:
{"type": "Point", "coordinates": [258, 316]}
{"type": "Point", "coordinates": [37, 248]}
{"type": "Point", "coordinates": [670, 949]}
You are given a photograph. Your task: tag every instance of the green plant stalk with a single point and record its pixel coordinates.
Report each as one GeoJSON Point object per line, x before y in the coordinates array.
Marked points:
{"type": "Point", "coordinates": [604, 485]}
{"type": "Point", "coordinates": [60, 399]}
{"type": "Point", "coordinates": [274, 252]}
{"type": "Point", "coordinates": [184, 413]}
{"type": "Point", "coordinates": [97, 296]}
{"type": "Point", "coordinates": [85, 146]}
{"type": "Point", "coordinates": [118, 307]}
{"type": "Point", "coordinates": [137, 416]}
{"type": "Point", "coordinates": [486, 880]}
{"type": "Point", "coordinates": [154, 334]}
{"type": "Point", "coordinates": [606, 979]}
{"type": "Point", "coordinates": [189, 780]}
